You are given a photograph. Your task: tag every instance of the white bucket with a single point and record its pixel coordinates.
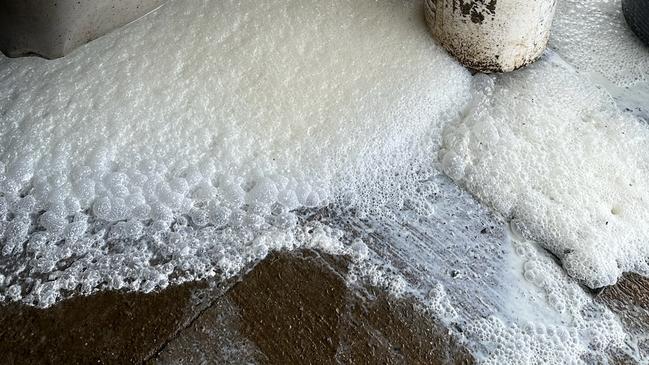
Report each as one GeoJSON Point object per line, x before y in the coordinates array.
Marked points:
{"type": "Point", "coordinates": [492, 35]}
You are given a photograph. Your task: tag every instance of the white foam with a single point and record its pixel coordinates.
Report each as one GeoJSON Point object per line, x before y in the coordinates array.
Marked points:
{"type": "Point", "coordinates": [181, 147]}
{"type": "Point", "coordinates": [563, 151]}
{"type": "Point", "coordinates": [593, 35]}
{"type": "Point", "coordinates": [162, 152]}
{"type": "Point", "coordinates": [574, 329]}
{"type": "Point", "coordinates": [548, 149]}
{"type": "Point", "coordinates": [502, 296]}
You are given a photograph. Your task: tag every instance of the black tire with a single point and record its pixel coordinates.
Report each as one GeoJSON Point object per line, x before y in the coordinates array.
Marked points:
{"type": "Point", "coordinates": [636, 13]}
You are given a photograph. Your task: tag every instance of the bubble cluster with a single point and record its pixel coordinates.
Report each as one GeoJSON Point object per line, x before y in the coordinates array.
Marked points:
{"type": "Point", "coordinates": [593, 35]}
{"type": "Point", "coordinates": [579, 331]}
{"type": "Point", "coordinates": [380, 274]}
{"type": "Point", "coordinates": [548, 149]}
{"type": "Point", "coordinates": [164, 152]}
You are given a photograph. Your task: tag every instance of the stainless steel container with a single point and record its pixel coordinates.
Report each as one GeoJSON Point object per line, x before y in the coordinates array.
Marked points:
{"type": "Point", "coordinates": [53, 28]}
{"type": "Point", "coordinates": [492, 35]}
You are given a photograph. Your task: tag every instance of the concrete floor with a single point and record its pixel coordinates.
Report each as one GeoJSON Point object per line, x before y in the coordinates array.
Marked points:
{"type": "Point", "coordinates": [290, 308]}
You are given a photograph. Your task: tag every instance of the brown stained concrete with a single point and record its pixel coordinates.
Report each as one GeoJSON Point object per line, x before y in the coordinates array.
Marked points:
{"type": "Point", "coordinates": [296, 308]}
{"type": "Point", "coordinates": [629, 299]}
{"type": "Point", "coordinates": [107, 328]}
{"type": "Point", "coordinates": [213, 338]}
{"type": "Point", "coordinates": [290, 308]}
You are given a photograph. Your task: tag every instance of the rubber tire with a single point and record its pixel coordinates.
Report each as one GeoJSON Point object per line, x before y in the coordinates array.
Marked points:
{"type": "Point", "coordinates": [636, 13]}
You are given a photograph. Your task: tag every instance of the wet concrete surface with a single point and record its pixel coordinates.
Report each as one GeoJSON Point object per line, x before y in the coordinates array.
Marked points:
{"type": "Point", "coordinates": [291, 308]}
{"type": "Point", "coordinates": [297, 309]}
{"type": "Point", "coordinates": [109, 327]}
{"type": "Point", "coordinates": [629, 299]}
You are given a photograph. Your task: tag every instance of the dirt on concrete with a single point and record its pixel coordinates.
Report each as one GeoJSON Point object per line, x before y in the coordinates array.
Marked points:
{"type": "Point", "coordinates": [292, 308]}
{"type": "Point", "coordinates": [296, 308]}
{"type": "Point", "coordinates": [107, 328]}
{"type": "Point", "coordinates": [629, 299]}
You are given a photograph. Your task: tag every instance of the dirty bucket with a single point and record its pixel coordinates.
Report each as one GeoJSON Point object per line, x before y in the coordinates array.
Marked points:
{"type": "Point", "coordinates": [636, 13]}
{"type": "Point", "coordinates": [492, 35]}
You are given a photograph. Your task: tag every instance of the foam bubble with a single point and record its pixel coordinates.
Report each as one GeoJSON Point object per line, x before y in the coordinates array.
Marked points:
{"type": "Point", "coordinates": [577, 330]}
{"type": "Point", "coordinates": [593, 35]}
{"type": "Point", "coordinates": [143, 165]}
{"type": "Point", "coordinates": [567, 166]}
